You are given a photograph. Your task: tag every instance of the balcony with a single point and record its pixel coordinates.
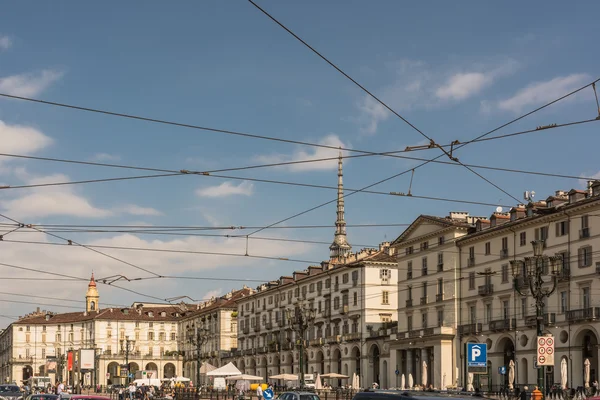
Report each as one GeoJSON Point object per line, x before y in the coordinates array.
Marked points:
{"type": "Point", "coordinates": [237, 353]}
{"type": "Point", "coordinates": [439, 297]}
{"type": "Point", "coordinates": [354, 282]}
{"type": "Point", "coordinates": [485, 290]}
{"type": "Point", "coordinates": [471, 262]}
{"type": "Point", "coordinates": [249, 352]}
{"type": "Point", "coordinates": [564, 275]}
{"type": "Point", "coordinates": [350, 337]}
{"type": "Point", "coordinates": [344, 309]}
{"type": "Point", "coordinates": [27, 360]}
{"type": "Point", "coordinates": [470, 329]}
{"type": "Point", "coordinates": [423, 300]}
{"type": "Point", "coordinates": [246, 330]}
{"type": "Point", "coordinates": [503, 325]}
{"type": "Point", "coordinates": [409, 303]}
{"type": "Point", "coordinates": [415, 333]}
{"type": "Point", "coordinates": [257, 328]}
{"type": "Point", "coordinates": [333, 339]}
{"type": "Point", "coordinates": [584, 233]}
{"type": "Point", "coordinates": [263, 350]}
{"type": "Point", "coordinates": [428, 331]}
{"type": "Point", "coordinates": [583, 314]}
{"type": "Point", "coordinates": [548, 318]}
{"type": "Point", "coordinates": [440, 267]}
{"type": "Point", "coordinates": [287, 346]}
{"type": "Point", "coordinates": [281, 322]}
{"type": "Point", "coordinates": [503, 254]}
{"type": "Point", "coordinates": [316, 342]}
{"type": "Point", "coordinates": [269, 325]}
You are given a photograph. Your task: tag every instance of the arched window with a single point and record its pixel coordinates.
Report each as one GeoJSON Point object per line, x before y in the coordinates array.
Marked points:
{"type": "Point", "coordinates": [92, 305]}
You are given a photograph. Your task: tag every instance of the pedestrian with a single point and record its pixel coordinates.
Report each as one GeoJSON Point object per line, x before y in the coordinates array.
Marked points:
{"type": "Point", "coordinates": [60, 388]}
{"type": "Point", "coordinates": [536, 394]}
{"type": "Point", "coordinates": [259, 392]}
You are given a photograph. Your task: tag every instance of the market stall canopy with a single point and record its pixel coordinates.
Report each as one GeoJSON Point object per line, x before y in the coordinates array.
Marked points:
{"type": "Point", "coordinates": [225, 370]}
{"type": "Point", "coordinates": [244, 377]}
{"type": "Point", "coordinates": [335, 376]}
{"type": "Point", "coordinates": [285, 377]}
{"type": "Point", "coordinates": [206, 368]}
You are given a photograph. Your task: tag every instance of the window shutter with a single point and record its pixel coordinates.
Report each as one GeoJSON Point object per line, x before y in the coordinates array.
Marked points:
{"type": "Point", "coordinates": [567, 224]}
{"type": "Point", "coordinates": [557, 226]}
{"type": "Point", "coordinates": [580, 259]}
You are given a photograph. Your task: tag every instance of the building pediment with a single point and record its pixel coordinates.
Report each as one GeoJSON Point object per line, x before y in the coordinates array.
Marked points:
{"type": "Point", "coordinates": [426, 225]}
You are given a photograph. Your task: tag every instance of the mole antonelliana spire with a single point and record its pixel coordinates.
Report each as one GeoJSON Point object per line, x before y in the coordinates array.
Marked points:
{"type": "Point", "coordinates": [340, 248]}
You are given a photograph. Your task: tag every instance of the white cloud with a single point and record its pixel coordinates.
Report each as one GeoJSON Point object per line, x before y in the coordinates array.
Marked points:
{"type": "Point", "coordinates": [5, 42]}
{"type": "Point", "coordinates": [538, 93]}
{"type": "Point", "coordinates": [138, 210]}
{"type": "Point", "coordinates": [30, 84]}
{"type": "Point", "coordinates": [105, 157]}
{"type": "Point", "coordinates": [226, 189]}
{"type": "Point", "coordinates": [21, 139]}
{"type": "Point", "coordinates": [463, 85]}
{"type": "Point", "coordinates": [212, 293]}
{"type": "Point", "coordinates": [316, 153]}
{"type": "Point", "coordinates": [417, 85]}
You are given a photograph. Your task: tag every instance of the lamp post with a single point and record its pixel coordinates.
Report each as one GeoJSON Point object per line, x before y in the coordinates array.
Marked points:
{"type": "Point", "coordinates": [126, 346]}
{"type": "Point", "coordinates": [300, 318]}
{"type": "Point", "coordinates": [197, 337]}
{"type": "Point", "coordinates": [532, 270]}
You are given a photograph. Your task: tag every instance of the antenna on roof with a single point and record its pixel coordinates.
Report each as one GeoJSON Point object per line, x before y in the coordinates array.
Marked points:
{"type": "Point", "coordinates": [529, 195]}
{"type": "Point", "coordinates": [498, 209]}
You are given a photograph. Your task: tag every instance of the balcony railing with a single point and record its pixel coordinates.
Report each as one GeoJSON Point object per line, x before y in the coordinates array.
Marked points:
{"type": "Point", "coordinates": [281, 322]}
{"type": "Point", "coordinates": [249, 352]}
{"type": "Point", "coordinates": [439, 297]}
{"type": "Point", "coordinates": [22, 360]}
{"type": "Point", "coordinates": [316, 342]}
{"type": "Point", "coordinates": [470, 329]}
{"type": "Point", "coordinates": [269, 325]}
{"type": "Point", "coordinates": [409, 303]}
{"type": "Point", "coordinates": [486, 290]}
{"type": "Point", "coordinates": [470, 261]}
{"type": "Point", "coordinates": [503, 325]}
{"type": "Point", "coordinates": [246, 330]}
{"type": "Point", "coordinates": [333, 339]}
{"type": "Point", "coordinates": [263, 350]}
{"type": "Point", "coordinates": [565, 274]}
{"type": "Point", "coordinates": [350, 337]}
{"type": "Point", "coordinates": [414, 333]}
{"type": "Point", "coordinates": [584, 233]}
{"type": "Point", "coordinates": [548, 318]}
{"type": "Point", "coordinates": [257, 328]}
{"type": "Point", "coordinates": [423, 300]}
{"type": "Point", "coordinates": [583, 314]}
{"type": "Point", "coordinates": [428, 331]}
{"type": "Point", "coordinates": [504, 253]}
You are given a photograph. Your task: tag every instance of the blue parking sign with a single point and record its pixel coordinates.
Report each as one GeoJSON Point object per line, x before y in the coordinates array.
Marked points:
{"type": "Point", "coordinates": [476, 355]}
{"type": "Point", "coordinates": [502, 370]}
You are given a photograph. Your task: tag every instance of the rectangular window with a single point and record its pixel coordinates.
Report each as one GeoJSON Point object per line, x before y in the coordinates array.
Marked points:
{"type": "Point", "coordinates": [523, 307]}
{"type": "Point", "coordinates": [424, 320]}
{"type": "Point", "coordinates": [488, 313]}
{"type": "Point", "coordinates": [311, 288]}
{"type": "Point", "coordinates": [523, 239]}
{"type": "Point", "coordinates": [304, 290]}
{"type": "Point", "coordinates": [109, 349]}
{"type": "Point", "coordinates": [424, 246]}
{"type": "Point", "coordinates": [563, 302]}
{"type": "Point", "coordinates": [441, 240]}
{"type": "Point", "coordinates": [562, 228]}
{"type": "Point", "coordinates": [584, 222]}
{"type": "Point", "coordinates": [424, 266]}
{"type": "Point", "coordinates": [409, 250]}
{"type": "Point", "coordinates": [345, 278]}
{"type": "Point", "coordinates": [472, 315]}
{"type": "Point", "coordinates": [409, 271]}
{"type": "Point", "coordinates": [355, 276]}
{"type": "Point", "coordinates": [270, 300]}
{"type": "Point", "coordinates": [505, 310]}
{"type": "Point", "coordinates": [327, 283]}
{"type": "Point", "coordinates": [585, 297]}
{"type": "Point", "coordinates": [584, 256]}
{"type": "Point", "coordinates": [355, 299]}
{"type": "Point", "coordinates": [471, 280]}
{"type": "Point", "coordinates": [440, 286]}
{"type": "Point", "coordinates": [172, 335]}
{"type": "Point", "coordinates": [440, 266]}
{"type": "Point", "coordinates": [440, 317]}
{"type": "Point", "coordinates": [336, 303]}
{"type": "Point", "coordinates": [425, 290]}
{"type": "Point", "coordinates": [541, 233]}
{"type": "Point", "coordinates": [504, 243]}
{"type": "Point", "coordinates": [161, 336]}
{"type": "Point", "coordinates": [488, 248]}
{"type": "Point", "coordinates": [409, 323]}
{"type": "Point", "coordinates": [150, 335]}
{"type": "Point", "coordinates": [409, 292]}
{"type": "Point", "coordinates": [385, 297]}
{"type": "Point", "coordinates": [504, 273]}
{"type": "Point", "coordinates": [109, 334]}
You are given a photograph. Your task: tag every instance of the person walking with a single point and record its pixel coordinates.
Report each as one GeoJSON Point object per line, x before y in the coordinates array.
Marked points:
{"type": "Point", "coordinates": [259, 392]}
{"type": "Point", "coordinates": [536, 394]}
{"type": "Point", "coordinates": [132, 389]}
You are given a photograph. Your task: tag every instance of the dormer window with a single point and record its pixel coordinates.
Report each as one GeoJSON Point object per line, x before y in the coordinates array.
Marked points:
{"type": "Point", "coordinates": [150, 314]}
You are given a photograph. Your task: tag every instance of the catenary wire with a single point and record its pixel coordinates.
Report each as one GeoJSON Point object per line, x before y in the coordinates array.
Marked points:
{"type": "Point", "coordinates": [53, 298]}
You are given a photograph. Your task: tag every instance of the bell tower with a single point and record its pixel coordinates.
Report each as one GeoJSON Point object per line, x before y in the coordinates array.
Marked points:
{"type": "Point", "coordinates": [92, 297]}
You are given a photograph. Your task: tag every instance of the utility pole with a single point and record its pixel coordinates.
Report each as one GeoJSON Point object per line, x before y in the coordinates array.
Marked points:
{"type": "Point", "coordinates": [126, 346]}
{"type": "Point", "coordinates": [300, 318]}
{"type": "Point", "coordinates": [531, 269]}
{"type": "Point", "coordinates": [197, 338]}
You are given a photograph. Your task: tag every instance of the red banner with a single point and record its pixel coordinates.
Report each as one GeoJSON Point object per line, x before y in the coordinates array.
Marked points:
{"type": "Point", "coordinates": [70, 361]}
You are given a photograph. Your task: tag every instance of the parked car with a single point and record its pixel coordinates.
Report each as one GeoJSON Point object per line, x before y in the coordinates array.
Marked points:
{"type": "Point", "coordinates": [299, 396]}
{"type": "Point", "coordinates": [43, 397]}
{"type": "Point", "coordinates": [10, 392]}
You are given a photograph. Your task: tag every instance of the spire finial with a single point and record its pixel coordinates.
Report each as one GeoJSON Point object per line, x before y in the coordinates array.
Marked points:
{"type": "Point", "coordinates": [340, 248]}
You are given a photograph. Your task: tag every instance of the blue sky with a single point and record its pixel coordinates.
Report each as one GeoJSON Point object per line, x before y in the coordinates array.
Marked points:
{"type": "Point", "coordinates": [453, 70]}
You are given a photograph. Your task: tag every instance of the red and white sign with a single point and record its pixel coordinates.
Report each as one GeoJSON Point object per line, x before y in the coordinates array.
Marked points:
{"type": "Point", "coordinates": [545, 350]}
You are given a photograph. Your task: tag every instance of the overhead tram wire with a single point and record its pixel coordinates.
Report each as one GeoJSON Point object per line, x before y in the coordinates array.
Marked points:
{"type": "Point", "coordinates": [428, 161]}
{"type": "Point", "coordinates": [70, 242]}
{"type": "Point", "coordinates": [377, 99]}
{"type": "Point", "coordinates": [54, 298]}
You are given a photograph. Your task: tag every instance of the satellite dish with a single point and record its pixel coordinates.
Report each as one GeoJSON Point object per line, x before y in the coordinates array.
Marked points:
{"type": "Point", "coordinates": [498, 209]}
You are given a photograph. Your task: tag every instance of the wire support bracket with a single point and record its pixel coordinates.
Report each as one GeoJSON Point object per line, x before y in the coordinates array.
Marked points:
{"type": "Point", "coordinates": [432, 144]}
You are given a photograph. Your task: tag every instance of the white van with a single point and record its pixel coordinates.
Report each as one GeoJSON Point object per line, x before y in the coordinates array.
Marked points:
{"type": "Point", "coordinates": [309, 381]}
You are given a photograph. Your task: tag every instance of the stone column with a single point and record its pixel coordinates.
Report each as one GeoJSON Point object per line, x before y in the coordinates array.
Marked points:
{"type": "Point", "coordinates": [409, 364]}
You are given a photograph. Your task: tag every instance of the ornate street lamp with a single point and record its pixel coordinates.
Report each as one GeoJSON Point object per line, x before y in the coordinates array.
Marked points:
{"type": "Point", "coordinates": [197, 337]}
{"type": "Point", "coordinates": [127, 346]}
{"type": "Point", "coordinates": [299, 319]}
{"type": "Point", "coordinates": [538, 288]}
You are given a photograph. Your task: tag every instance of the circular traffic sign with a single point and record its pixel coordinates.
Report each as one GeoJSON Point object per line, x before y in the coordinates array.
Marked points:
{"type": "Point", "coordinates": [542, 350]}
{"type": "Point", "coordinates": [542, 359]}
{"type": "Point", "coordinates": [549, 350]}
{"type": "Point", "coordinates": [549, 342]}
{"type": "Point", "coordinates": [542, 341]}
